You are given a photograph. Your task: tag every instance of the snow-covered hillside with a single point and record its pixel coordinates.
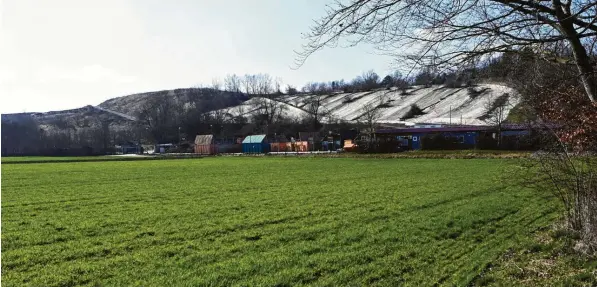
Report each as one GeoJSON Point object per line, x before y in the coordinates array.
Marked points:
{"type": "Point", "coordinates": [439, 104]}
{"type": "Point", "coordinates": [251, 106]}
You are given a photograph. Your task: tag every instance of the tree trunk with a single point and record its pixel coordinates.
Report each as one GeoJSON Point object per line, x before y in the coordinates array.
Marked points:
{"type": "Point", "coordinates": [499, 136]}
{"type": "Point", "coordinates": [587, 72]}
{"type": "Point", "coordinates": [588, 82]}
{"type": "Point", "coordinates": [583, 62]}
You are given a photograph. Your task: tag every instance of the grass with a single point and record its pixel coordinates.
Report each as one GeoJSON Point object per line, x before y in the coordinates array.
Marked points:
{"type": "Point", "coordinates": [51, 158]}
{"type": "Point", "coordinates": [64, 159]}
{"type": "Point", "coordinates": [261, 221]}
{"type": "Point", "coordinates": [548, 260]}
{"type": "Point", "coordinates": [436, 154]}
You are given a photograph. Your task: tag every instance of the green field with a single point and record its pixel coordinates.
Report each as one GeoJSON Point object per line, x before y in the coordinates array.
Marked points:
{"type": "Point", "coordinates": [261, 221]}
{"type": "Point", "coordinates": [12, 159]}
{"type": "Point", "coordinates": [99, 158]}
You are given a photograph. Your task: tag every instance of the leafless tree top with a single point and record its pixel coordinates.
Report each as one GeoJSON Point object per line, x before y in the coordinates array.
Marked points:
{"type": "Point", "coordinates": [448, 33]}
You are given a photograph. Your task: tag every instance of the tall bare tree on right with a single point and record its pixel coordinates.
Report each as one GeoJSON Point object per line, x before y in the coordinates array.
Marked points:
{"type": "Point", "coordinates": [449, 33]}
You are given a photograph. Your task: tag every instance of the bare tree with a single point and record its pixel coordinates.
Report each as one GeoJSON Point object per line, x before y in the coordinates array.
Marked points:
{"type": "Point", "coordinates": [265, 84]}
{"type": "Point", "coordinates": [370, 80]}
{"type": "Point", "coordinates": [291, 90]}
{"type": "Point", "coordinates": [310, 88]}
{"type": "Point", "coordinates": [337, 85]}
{"type": "Point", "coordinates": [278, 85]}
{"type": "Point", "coordinates": [102, 133]}
{"type": "Point", "coordinates": [370, 115]}
{"type": "Point", "coordinates": [314, 101]}
{"type": "Point", "coordinates": [249, 83]}
{"type": "Point", "coordinates": [269, 108]}
{"type": "Point", "coordinates": [239, 114]}
{"type": "Point", "coordinates": [161, 117]}
{"type": "Point", "coordinates": [356, 85]}
{"type": "Point", "coordinates": [324, 88]}
{"type": "Point", "coordinates": [232, 83]}
{"type": "Point", "coordinates": [496, 112]}
{"type": "Point", "coordinates": [269, 111]}
{"type": "Point", "coordinates": [314, 106]}
{"type": "Point", "coordinates": [21, 136]}
{"type": "Point", "coordinates": [400, 82]}
{"type": "Point", "coordinates": [455, 32]}
{"type": "Point", "coordinates": [216, 84]}
{"type": "Point", "coordinates": [564, 123]}
{"type": "Point", "coordinates": [220, 116]}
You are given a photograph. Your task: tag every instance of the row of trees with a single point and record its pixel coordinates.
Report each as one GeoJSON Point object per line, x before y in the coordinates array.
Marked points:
{"type": "Point", "coordinates": [249, 84]}
{"type": "Point", "coordinates": [264, 84]}
{"type": "Point", "coordinates": [85, 134]}
{"type": "Point", "coordinates": [367, 81]}
{"type": "Point", "coordinates": [216, 109]}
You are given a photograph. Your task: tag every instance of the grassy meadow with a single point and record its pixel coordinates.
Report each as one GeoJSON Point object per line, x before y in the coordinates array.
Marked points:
{"type": "Point", "coordinates": [36, 159]}
{"type": "Point", "coordinates": [262, 221]}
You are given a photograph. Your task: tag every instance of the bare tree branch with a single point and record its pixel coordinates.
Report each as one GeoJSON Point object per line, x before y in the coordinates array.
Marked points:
{"type": "Point", "coordinates": [449, 33]}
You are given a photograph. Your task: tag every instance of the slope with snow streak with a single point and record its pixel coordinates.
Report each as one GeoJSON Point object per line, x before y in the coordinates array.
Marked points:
{"type": "Point", "coordinates": [460, 104]}
{"type": "Point", "coordinates": [440, 104]}
{"type": "Point", "coordinates": [251, 107]}
{"type": "Point", "coordinates": [128, 117]}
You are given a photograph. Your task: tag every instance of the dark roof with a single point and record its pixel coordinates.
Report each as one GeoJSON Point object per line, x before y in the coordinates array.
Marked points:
{"type": "Point", "coordinates": [452, 129]}
{"type": "Point", "coordinates": [433, 130]}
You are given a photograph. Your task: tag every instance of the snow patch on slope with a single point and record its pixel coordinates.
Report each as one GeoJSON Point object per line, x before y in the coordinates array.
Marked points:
{"type": "Point", "coordinates": [440, 104]}
{"type": "Point", "coordinates": [251, 107]}
{"type": "Point", "coordinates": [130, 118]}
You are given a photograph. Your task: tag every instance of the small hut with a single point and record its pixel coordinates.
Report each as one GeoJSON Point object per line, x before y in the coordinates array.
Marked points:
{"type": "Point", "coordinates": [255, 144]}
{"type": "Point", "coordinates": [204, 144]}
{"type": "Point", "coordinates": [308, 141]}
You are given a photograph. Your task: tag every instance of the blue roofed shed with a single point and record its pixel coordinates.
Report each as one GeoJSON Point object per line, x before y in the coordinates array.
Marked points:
{"type": "Point", "coordinates": [255, 144]}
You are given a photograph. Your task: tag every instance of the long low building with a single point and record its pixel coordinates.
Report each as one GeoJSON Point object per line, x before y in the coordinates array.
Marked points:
{"type": "Point", "coordinates": [451, 136]}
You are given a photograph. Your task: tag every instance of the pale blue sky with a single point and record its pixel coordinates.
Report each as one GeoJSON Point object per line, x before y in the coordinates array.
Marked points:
{"type": "Point", "coordinates": [63, 54]}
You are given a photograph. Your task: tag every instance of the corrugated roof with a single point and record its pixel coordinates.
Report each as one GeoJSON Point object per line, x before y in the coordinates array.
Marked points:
{"type": "Point", "coordinates": [203, 139]}
{"type": "Point", "coordinates": [254, 139]}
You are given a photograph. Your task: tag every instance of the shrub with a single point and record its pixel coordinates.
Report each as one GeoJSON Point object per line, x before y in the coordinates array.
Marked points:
{"type": "Point", "coordinates": [413, 112]}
